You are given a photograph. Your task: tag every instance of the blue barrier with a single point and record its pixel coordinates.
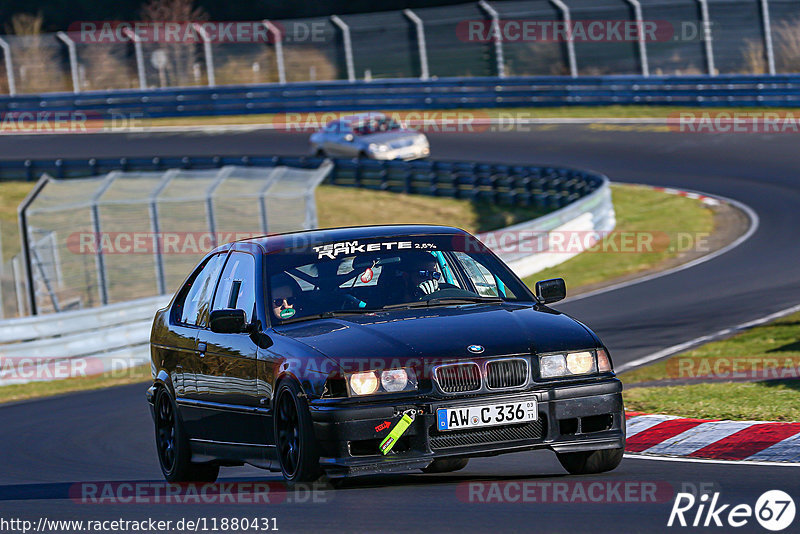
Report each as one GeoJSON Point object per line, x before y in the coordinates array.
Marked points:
{"type": "Point", "coordinates": [444, 93]}
{"type": "Point", "coordinates": [545, 188]}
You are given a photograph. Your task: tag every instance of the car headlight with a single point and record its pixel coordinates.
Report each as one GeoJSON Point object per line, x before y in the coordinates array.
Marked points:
{"type": "Point", "coordinates": [365, 383]}
{"type": "Point", "coordinates": [388, 381]}
{"type": "Point", "coordinates": [374, 147]}
{"type": "Point", "coordinates": [574, 363]}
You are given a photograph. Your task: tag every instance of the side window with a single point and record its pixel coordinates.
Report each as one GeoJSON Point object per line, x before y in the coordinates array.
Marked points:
{"type": "Point", "coordinates": [237, 286]}
{"type": "Point", "coordinates": [196, 294]}
{"type": "Point", "coordinates": [484, 281]}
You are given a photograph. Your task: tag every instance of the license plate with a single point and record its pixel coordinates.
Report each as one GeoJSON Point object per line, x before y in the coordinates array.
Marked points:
{"type": "Point", "coordinates": [486, 415]}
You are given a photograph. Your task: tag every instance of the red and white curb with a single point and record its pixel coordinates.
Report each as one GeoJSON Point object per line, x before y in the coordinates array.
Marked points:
{"type": "Point", "coordinates": [667, 435]}
{"type": "Point", "coordinates": [705, 199]}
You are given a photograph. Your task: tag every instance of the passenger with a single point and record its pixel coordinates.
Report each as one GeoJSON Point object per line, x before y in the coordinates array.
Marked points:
{"type": "Point", "coordinates": [420, 274]}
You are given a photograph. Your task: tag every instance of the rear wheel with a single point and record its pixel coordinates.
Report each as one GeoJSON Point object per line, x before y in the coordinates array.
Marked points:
{"type": "Point", "coordinates": [590, 462]}
{"type": "Point", "coordinates": [294, 435]}
{"type": "Point", "coordinates": [174, 454]}
{"type": "Point", "coordinates": [446, 465]}
{"type": "Point", "coordinates": [320, 153]}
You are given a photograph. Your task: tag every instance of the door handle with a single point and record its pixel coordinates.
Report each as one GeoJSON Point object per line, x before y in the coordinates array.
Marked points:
{"type": "Point", "coordinates": [201, 348]}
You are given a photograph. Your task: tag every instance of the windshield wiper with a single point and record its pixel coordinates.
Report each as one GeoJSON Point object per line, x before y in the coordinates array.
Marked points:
{"type": "Point", "coordinates": [327, 315]}
{"type": "Point", "coordinates": [443, 301]}
{"type": "Point", "coordinates": [468, 300]}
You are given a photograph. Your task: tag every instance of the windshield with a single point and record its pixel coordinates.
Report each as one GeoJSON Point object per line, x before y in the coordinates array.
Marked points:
{"type": "Point", "coordinates": [367, 275]}
{"type": "Point", "coordinates": [377, 125]}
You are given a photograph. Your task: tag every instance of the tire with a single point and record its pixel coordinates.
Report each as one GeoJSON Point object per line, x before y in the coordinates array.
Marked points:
{"type": "Point", "coordinates": [590, 462]}
{"type": "Point", "coordinates": [294, 435]}
{"type": "Point", "coordinates": [320, 153]}
{"type": "Point", "coordinates": [363, 155]}
{"type": "Point", "coordinates": [174, 454]}
{"type": "Point", "coordinates": [446, 465]}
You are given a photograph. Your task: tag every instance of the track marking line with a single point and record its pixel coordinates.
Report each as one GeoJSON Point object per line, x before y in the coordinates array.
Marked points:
{"type": "Point", "coordinates": [680, 347]}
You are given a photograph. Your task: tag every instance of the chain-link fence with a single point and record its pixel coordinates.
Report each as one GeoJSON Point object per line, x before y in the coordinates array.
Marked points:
{"type": "Point", "coordinates": [128, 235]}
{"type": "Point", "coordinates": [505, 38]}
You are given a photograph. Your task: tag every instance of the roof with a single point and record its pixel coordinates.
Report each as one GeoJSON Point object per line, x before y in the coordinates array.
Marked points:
{"type": "Point", "coordinates": [278, 242]}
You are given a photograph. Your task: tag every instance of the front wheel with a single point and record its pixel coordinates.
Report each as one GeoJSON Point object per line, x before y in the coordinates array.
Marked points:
{"type": "Point", "coordinates": [590, 462]}
{"type": "Point", "coordinates": [294, 435]}
{"type": "Point", "coordinates": [174, 454]}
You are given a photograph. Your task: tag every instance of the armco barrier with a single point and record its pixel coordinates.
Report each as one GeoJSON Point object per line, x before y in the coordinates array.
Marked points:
{"type": "Point", "coordinates": [81, 342]}
{"type": "Point", "coordinates": [442, 93]}
{"type": "Point", "coordinates": [96, 340]}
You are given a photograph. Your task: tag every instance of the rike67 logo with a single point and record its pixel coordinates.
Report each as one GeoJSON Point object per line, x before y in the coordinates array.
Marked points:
{"type": "Point", "coordinates": [774, 510]}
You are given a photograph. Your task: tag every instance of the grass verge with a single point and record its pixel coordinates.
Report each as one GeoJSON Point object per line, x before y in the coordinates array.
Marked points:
{"type": "Point", "coordinates": [559, 112]}
{"type": "Point", "coordinates": [645, 214]}
{"type": "Point", "coordinates": [33, 390]}
{"type": "Point", "coordinates": [763, 352]}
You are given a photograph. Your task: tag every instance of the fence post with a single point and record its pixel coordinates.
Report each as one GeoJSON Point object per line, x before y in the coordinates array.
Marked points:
{"type": "Point", "coordinates": [12, 86]}
{"type": "Point", "coordinates": [276, 34]}
{"type": "Point", "coordinates": [207, 52]}
{"type": "Point", "coordinates": [712, 71]}
{"type": "Point", "coordinates": [496, 37]}
{"type": "Point", "coordinates": [223, 173]}
{"type": "Point", "coordinates": [155, 227]}
{"type": "Point", "coordinates": [137, 51]}
{"type": "Point", "coordinates": [768, 36]}
{"type": "Point", "coordinates": [348, 47]}
{"type": "Point", "coordinates": [637, 13]}
{"type": "Point", "coordinates": [102, 277]}
{"type": "Point", "coordinates": [24, 235]}
{"type": "Point", "coordinates": [73, 61]}
{"type": "Point", "coordinates": [423, 50]}
{"type": "Point", "coordinates": [573, 64]}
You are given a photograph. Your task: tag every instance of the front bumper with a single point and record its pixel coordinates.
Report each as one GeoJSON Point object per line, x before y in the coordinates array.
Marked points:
{"type": "Point", "coordinates": [571, 418]}
{"type": "Point", "coordinates": [404, 153]}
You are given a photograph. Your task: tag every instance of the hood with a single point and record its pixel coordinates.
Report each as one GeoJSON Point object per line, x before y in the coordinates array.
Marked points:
{"type": "Point", "coordinates": [442, 333]}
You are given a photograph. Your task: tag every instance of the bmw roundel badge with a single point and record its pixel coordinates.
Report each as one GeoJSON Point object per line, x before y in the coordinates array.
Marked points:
{"type": "Point", "coordinates": [475, 349]}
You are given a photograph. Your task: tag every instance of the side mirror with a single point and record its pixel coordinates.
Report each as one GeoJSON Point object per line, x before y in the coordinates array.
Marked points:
{"type": "Point", "coordinates": [349, 138]}
{"type": "Point", "coordinates": [228, 321]}
{"type": "Point", "coordinates": [553, 290]}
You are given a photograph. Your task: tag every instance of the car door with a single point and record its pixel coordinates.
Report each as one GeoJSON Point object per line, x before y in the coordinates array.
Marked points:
{"type": "Point", "coordinates": [334, 139]}
{"type": "Point", "coordinates": [229, 361]}
{"type": "Point", "coordinates": [193, 297]}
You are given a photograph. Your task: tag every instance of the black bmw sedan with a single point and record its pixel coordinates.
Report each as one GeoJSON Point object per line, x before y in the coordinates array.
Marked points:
{"type": "Point", "coordinates": [379, 349]}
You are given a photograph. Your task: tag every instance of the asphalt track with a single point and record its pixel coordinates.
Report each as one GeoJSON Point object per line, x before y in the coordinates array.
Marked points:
{"type": "Point", "coordinates": [47, 446]}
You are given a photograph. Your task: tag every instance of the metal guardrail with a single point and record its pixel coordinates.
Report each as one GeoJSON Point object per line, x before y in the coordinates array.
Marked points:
{"type": "Point", "coordinates": [116, 336]}
{"type": "Point", "coordinates": [528, 247]}
{"type": "Point", "coordinates": [443, 93]}
{"type": "Point", "coordinates": [90, 341]}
